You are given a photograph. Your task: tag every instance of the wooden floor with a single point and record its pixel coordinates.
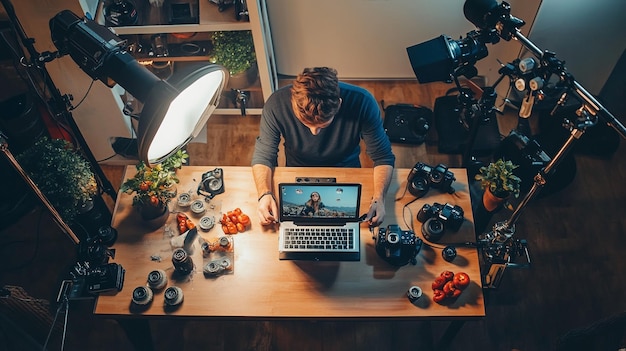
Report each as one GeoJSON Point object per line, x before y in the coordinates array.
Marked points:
{"type": "Point", "coordinates": [575, 238]}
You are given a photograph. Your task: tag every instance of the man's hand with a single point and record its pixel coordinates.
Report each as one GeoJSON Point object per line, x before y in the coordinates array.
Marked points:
{"type": "Point", "coordinates": [267, 210]}
{"type": "Point", "coordinates": [376, 213]}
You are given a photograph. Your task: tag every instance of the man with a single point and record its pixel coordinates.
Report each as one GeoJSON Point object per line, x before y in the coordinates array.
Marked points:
{"type": "Point", "coordinates": [322, 122]}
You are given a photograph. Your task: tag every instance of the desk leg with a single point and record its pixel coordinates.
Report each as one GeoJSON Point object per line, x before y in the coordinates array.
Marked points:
{"type": "Point", "coordinates": [138, 333]}
{"type": "Point", "coordinates": [447, 337]}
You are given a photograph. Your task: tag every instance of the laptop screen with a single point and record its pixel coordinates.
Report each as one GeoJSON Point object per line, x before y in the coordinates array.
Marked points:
{"type": "Point", "coordinates": [333, 201]}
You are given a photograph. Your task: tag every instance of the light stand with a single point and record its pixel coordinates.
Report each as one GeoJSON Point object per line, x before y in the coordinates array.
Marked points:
{"type": "Point", "coordinates": [499, 249]}
{"type": "Point", "coordinates": [58, 104]}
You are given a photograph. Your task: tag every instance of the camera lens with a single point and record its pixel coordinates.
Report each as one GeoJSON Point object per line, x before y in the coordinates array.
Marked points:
{"type": "Point", "coordinates": [215, 184]}
{"type": "Point", "coordinates": [393, 238]}
{"type": "Point", "coordinates": [173, 296]}
{"type": "Point", "coordinates": [435, 177]}
{"type": "Point", "coordinates": [432, 229]}
{"type": "Point", "coordinates": [467, 50]}
{"type": "Point", "coordinates": [197, 207]}
{"type": "Point", "coordinates": [213, 268]}
{"type": "Point", "coordinates": [414, 293]}
{"type": "Point", "coordinates": [182, 261]}
{"type": "Point", "coordinates": [142, 295]}
{"type": "Point", "coordinates": [224, 242]}
{"type": "Point", "coordinates": [107, 235]}
{"type": "Point", "coordinates": [157, 279]}
{"type": "Point", "coordinates": [449, 253]}
{"type": "Point", "coordinates": [418, 187]}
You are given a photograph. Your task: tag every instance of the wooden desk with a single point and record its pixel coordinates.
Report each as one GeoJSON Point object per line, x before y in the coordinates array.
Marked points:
{"type": "Point", "coordinates": [263, 287]}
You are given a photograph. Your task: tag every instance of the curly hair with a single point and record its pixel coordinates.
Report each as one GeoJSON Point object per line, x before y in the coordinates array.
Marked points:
{"type": "Point", "coordinates": [315, 96]}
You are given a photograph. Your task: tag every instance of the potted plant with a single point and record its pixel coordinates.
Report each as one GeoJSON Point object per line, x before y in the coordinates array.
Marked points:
{"type": "Point", "coordinates": [498, 182]}
{"type": "Point", "coordinates": [235, 51]}
{"type": "Point", "coordinates": [154, 187]}
{"type": "Point", "coordinates": [64, 176]}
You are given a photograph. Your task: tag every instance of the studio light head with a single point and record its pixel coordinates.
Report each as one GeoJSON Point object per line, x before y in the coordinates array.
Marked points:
{"type": "Point", "coordinates": [174, 111]}
{"type": "Point", "coordinates": [488, 15]}
{"type": "Point", "coordinates": [442, 59]}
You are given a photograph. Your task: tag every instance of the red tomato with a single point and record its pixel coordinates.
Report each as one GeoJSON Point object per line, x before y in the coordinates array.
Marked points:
{"type": "Point", "coordinates": [190, 224]}
{"type": "Point", "coordinates": [154, 201]}
{"type": "Point", "coordinates": [461, 280]}
{"type": "Point", "coordinates": [449, 289]}
{"type": "Point", "coordinates": [240, 228]}
{"type": "Point", "coordinates": [237, 211]}
{"type": "Point", "coordinates": [438, 295]}
{"type": "Point", "coordinates": [225, 219]}
{"type": "Point", "coordinates": [439, 283]}
{"type": "Point", "coordinates": [144, 186]}
{"type": "Point", "coordinates": [448, 275]}
{"type": "Point", "coordinates": [181, 217]}
{"type": "Point", "coordinates": [225, 228]}
{"type": "Point", "coordinates": [243, 219]}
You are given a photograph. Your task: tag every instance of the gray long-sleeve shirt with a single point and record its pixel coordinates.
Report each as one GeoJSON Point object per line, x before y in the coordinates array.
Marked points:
{"type": "Point", "coordinates": [336, 145]}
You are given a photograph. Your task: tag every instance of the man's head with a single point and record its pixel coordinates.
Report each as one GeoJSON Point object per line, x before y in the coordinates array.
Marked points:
{"type": "Point", "coordinates": [315, 97]}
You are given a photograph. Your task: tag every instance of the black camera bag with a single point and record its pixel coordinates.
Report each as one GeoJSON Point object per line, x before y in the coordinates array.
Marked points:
{"type": "Point", "coordinates": [407, 124]}
{"type": "Point", "coordinates": [452, 135]}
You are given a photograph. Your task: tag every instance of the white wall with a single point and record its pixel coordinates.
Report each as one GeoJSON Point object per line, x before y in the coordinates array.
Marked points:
{"type": "Point", "coordinates": [368, 38]}
{"type": "Point", "coordinates": [588, 35]}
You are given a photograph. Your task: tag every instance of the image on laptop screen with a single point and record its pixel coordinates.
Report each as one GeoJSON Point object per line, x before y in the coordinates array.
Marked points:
{"type": "Point", "coordinates": [328, 200]}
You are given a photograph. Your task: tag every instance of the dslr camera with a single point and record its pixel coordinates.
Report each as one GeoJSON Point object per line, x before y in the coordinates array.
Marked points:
{"type": "Point", "coordinates": [422, 177]}
{"type": "Point", "coordinates": [436, 218]}
{"type": "Point", "coordinates": [212, 183]}
{"type": "Point", "coordinates": [397, 247]}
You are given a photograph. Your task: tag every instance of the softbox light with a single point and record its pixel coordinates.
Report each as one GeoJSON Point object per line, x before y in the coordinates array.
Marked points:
{"type": "Point", "coordinates": [174, 111]}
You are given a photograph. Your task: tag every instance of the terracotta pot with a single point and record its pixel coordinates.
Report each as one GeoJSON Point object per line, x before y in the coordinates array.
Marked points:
{"type": "Point", "coordinates": [154, 216]}
{"type": "Point", "coordinates": [492, 202]}
{"type": "Point", "coordinates": [244, 79]}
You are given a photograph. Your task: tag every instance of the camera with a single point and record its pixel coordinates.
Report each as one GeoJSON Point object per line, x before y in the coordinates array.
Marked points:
{"type": "Point", "coordinates": [422, 177]}
{"type": "Point", "coordinates": [397, 247]}
{"type": "Point", "coordinates": [96, 249]}
{"type": "Point", "coordinates": [108, 277]}
{"type": "Point", "coordinates": [436, 218]}
{"type": "Point", "coordinates": [212, 183]}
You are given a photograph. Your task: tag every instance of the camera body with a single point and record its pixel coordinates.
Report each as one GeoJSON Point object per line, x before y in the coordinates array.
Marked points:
{"type": "Point", "coordinates": [397, 247]}
{"type": "Point", "coordinates": [422, 177]}
{"type": "Point", "coordinates": [212, 183]}
{"type": "Point", "coordinates": [108, 277]}
{"type": "Point", "coordinates": [436, 218]}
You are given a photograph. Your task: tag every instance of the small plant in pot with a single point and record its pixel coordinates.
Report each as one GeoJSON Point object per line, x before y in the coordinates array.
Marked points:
{"type": "Point", "coordinates": [499, 182]}
{"type": "Point", "coordinates": [235, 51]}
{"type": "Point", "coordinates": [154, 187]}
{"type": "Point", "coordinates": [63, 175]}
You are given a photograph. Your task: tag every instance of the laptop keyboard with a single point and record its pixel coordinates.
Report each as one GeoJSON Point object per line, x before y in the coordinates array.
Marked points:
{"type": "Point", "coordinates": [319, 239]}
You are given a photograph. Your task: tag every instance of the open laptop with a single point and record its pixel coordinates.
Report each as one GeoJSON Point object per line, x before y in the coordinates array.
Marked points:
{"type": "Point", "coordinates": [321, 232]}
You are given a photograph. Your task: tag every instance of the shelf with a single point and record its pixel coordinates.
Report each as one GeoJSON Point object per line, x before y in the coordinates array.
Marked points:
{"type": "Point", "coordinates": [210, 19]}
{"type": "Point", "coordinates": [236, 112]}
{"type": "Point", "coordinates": [207, 18]}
